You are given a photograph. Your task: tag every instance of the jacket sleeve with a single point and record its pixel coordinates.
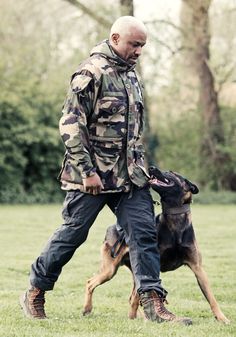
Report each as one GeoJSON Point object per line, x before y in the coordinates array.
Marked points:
{"type": "Point", "coordinates": [73, 123]}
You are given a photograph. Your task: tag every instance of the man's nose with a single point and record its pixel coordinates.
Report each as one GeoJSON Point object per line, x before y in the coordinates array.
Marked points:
{"type": "Point", "coordinates": [138, 51]}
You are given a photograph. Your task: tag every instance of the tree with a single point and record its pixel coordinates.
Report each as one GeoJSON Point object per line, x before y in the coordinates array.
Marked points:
{"type": "Point", "coordinates": [214, 157]}
{"type": "Point", "coordinates": [127, 7]}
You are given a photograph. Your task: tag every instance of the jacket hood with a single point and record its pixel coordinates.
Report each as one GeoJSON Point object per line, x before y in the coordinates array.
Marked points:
{"type": "Point", "coordinates": [104, 49]}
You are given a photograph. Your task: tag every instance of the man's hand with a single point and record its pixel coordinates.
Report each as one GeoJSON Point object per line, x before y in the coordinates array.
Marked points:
{"type": "Point", "coordinates": [93, 184]}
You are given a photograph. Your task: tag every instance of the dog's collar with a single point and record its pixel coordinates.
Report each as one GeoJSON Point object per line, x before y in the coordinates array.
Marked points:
{"type": "Point", "coordinates": [175, 210]}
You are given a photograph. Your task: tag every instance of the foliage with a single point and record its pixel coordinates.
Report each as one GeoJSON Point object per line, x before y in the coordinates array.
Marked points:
{"type": "Point", "coordinates": [206, 197]}
{"type": "Point", "coordinates": [33, 86]}
{"type": "Point", "coordinates": [179, 146]}
{"type": "Point", "coordinates": [25, 230]}
{"type": "Point", "coordinates": [31, 151]}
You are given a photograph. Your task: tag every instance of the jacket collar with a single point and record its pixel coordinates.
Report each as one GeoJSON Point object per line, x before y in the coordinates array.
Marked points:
{"type": "Point", "coordinates": [105, 49]}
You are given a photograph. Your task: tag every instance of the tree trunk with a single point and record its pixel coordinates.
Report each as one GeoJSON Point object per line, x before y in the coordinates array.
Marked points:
{"type": "Point", "coordinates": [214, 160]}
{"type": "Point", "coordinates": [127, 7]}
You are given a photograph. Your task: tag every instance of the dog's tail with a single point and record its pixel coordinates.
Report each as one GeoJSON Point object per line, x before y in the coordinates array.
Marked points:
{"type": "Point", "coordinates": [118, 245]}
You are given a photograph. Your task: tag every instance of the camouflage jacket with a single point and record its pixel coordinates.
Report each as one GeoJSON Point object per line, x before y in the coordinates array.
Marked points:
{"type": "Point", "coordinates": [102, 124]}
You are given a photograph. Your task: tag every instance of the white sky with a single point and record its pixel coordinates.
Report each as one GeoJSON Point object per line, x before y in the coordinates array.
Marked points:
{"type": "Point", "coordinates": [152, 9]}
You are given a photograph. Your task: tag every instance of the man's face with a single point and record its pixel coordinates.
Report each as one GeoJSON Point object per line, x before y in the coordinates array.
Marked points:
{"type": "Point", "coordinates": [129, 45]}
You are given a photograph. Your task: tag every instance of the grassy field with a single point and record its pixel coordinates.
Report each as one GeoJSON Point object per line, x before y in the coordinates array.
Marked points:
{"type": "Point", "coordinates": [25, 229]}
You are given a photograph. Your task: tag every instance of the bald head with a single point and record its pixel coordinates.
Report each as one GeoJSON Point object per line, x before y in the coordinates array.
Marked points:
{"type": "Point", "coordinates": [124, 23]}
{"type": "Point", "coordinates": [127, 37]}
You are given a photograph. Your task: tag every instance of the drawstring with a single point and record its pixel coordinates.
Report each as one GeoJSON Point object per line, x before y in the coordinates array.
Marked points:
{"type": "Point", "coordinates": [131, 192]}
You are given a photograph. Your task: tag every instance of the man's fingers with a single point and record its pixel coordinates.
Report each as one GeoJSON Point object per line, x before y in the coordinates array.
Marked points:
{"type": "Point", "coordinates": [99, 189]}
{"type": "Point", "coordinates": [93, 184]}
{"type": "Point", "coordinates": [93, 189]}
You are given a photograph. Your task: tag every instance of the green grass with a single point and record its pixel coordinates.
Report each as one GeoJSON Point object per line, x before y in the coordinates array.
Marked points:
{"type": "Point", "coordinates": [25, 229]}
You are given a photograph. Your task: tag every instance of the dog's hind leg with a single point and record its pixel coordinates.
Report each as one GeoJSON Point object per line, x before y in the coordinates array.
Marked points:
{"type": "Point", "coordinates": [107, 270]}
{"type": "Point", "coordinates": [134, 297]}
{"type": "Point", "coordinates": [134, 303]}
{"type": "Point", "coordinates": [204, 285]}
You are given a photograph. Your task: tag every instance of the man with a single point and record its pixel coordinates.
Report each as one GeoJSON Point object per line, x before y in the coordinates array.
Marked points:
{"type": "Point", "coordinates": [101, 127]}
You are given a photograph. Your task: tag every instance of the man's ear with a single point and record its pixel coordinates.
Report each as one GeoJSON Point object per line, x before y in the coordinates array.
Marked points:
{"type": "Point", "coordinates": [115, 38]}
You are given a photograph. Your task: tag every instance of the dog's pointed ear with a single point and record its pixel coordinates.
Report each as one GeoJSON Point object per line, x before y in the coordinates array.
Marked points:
{"type": "Point", "coordinates": [193, 188]}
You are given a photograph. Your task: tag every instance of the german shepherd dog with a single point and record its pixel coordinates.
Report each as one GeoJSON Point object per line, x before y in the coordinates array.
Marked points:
{"type": "Point", "coordinates": [176, 241]}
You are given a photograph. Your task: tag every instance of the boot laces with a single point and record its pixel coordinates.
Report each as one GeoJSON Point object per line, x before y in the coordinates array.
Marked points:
{"type": "Point", "coordinates": [36, 301]}
{"type": "Point", "coordinates": [161, 309]}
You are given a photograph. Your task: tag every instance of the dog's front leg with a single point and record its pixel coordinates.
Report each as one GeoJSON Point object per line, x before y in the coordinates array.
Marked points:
{"type": "Point", "coordinates": [204, 285]}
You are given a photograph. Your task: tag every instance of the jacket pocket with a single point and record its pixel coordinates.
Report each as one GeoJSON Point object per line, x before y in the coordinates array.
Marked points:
{"type": "Point", "coordinates": [106, 160]}
{"type": "Point", "coordinates": [107, 142]}
{"type": "Point", "coordinates": [69, 171]}
{"type": "Point", "coordinates": [106, 157]}
{"type": "Point", "coordinates": [110, 106]}
{"type": "Point", "coordinates": [112, 114]}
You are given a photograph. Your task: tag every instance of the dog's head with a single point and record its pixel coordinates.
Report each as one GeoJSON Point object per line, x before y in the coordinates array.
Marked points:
{"type": "Point", "coordinates": [173, 189]}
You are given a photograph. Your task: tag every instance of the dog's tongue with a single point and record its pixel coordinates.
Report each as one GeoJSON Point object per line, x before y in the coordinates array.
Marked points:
{"type": "Point", "coordinates": [156, 181]}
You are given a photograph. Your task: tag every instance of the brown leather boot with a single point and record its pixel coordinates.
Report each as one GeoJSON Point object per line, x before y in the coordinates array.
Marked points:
{"type": "Point", "coordinates": [32, 302]}
{"type": "Point", "coordinates": [154, 309]}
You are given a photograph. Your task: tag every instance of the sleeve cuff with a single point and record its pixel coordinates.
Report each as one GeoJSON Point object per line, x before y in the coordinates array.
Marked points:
{"type": "Point", "coordinates": [89, 173]}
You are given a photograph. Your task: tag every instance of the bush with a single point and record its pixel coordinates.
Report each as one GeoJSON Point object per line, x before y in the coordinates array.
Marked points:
{"type": "Point", "coordinates": [213, 197]}
{"type": "Point", "coordinates": [31, 152]}
{"type": "Point", "coordinates": [179, 149]}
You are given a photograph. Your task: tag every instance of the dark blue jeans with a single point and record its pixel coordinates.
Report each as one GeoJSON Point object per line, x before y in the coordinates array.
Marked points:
{"type": "Point", "coordinates": [135, 215]}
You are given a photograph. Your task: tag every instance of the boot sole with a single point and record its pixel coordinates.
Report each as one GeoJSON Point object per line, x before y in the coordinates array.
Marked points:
{"type": "Point", "coordinates": [186, 321]}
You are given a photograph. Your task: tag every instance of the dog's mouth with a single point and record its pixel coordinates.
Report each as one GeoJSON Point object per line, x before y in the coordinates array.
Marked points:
{"type": "Point", "coordinates": [164, 182]}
